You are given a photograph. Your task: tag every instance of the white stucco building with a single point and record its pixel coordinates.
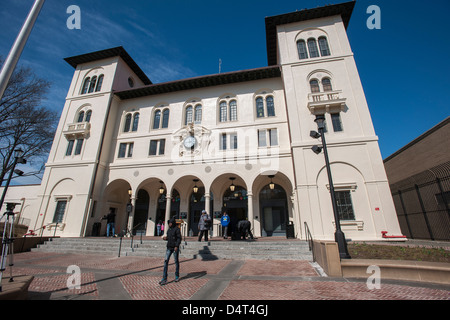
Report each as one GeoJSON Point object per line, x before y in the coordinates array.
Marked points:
{"type": "Point", "coordinates": [122, 139]}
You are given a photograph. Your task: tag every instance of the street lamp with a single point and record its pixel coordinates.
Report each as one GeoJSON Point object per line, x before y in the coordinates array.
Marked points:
{"type": "Point", "coordinates": [338, 235]}
{"type": "Point", "coordinates": [18, 158]}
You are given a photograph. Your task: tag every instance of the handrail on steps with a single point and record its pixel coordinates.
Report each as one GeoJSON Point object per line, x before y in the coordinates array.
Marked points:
{"type": "Point", "coordinates": [310, 240]}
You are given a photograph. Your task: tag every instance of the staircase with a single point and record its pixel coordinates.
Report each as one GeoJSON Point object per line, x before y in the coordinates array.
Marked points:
{"type": "Point", "coordinates": [212, 250]}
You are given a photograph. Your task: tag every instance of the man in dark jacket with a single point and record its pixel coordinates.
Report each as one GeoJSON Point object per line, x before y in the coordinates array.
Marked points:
{"type": "Point", "coordinates": [244, 227]}
{"type": "Point", "coordinates": [173, 238]}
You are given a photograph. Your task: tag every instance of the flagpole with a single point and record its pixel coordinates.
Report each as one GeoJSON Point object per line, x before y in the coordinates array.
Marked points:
{"type": "Point", "coordinates": [16, 50]}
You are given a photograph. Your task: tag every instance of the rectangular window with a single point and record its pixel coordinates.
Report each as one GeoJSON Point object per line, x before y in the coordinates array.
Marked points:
{"type": "Point", "coordinates": [273, 137]}
{"type": "Point", "coordinates": [336, 120]}
{"type": "Point", "coordinates": [79, 146]}
{"type": "Point", "coordinates": [233, 141]}
{"type": "Point", "coordinates": [223, 141]}
{"type": "Point", "coordinates": [157, 147]}
{"type": "Point", "coordinates": [60, 210]}
{"type": "Point", "coordinates": [262, 138]}
{"type": "Point", "coordinates": [130, 150]}
{"type": "Point", "coordinates": [162, 145]}
{"type": "Point", "coordinates": [70, 147]}
{"type": "Point", "coordinates": [270, 135]}
{"type": "Point", "coordinates": [344, 205]}
{"type": "Point", "coordinates": [122, 150]}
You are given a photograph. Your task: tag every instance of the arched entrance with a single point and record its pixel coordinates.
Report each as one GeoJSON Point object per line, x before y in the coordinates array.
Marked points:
{"type": "Point", "coordinates": [196, 205]}
{"type": "Point", "coordinates": [235, 203]}
{"type": "Point", "coordinates": [141, 212]}
{"type": "Point", "coordinates": [274, 210]}
{"type": "Point", "coordinates": [161, 209]}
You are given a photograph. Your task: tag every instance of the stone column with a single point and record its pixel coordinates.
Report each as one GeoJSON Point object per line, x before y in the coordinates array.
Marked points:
{"type": "Point", "coordinates": [167, 217]}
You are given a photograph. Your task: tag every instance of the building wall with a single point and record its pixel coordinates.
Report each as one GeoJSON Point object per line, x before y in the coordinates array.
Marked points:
{"type": "Point", "coordinates": [98, 179]}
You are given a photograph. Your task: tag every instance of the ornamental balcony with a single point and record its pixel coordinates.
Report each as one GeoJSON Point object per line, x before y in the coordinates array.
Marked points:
{"type": "Point", "coordinates": [330, 101]}
{"type": "Point", "coordinates": [77, 130]}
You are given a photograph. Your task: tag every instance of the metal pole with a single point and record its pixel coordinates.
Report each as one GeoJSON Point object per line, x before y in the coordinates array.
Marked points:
{"type": "Point", "coordinates": [338, 235]}
{"type": "Point", "coordinates": [8, 182]}
{"type": "Point", "coordinates": [19, 44]}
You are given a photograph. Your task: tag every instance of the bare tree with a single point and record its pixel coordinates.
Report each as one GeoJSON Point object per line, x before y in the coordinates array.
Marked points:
{"type": "Point", "coordinates": [24, 122]}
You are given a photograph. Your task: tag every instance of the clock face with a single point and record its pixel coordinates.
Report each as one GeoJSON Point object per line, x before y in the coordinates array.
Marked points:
{"type": "Point", "coordinates": [190, 142]}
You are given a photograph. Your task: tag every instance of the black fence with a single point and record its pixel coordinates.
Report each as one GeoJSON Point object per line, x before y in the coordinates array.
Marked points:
{"type": "Point", "coordinates": [422, 203]}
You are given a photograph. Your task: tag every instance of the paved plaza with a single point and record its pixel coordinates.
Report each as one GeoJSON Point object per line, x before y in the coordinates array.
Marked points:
{"type": "Point", "coordinates": [136, 278]}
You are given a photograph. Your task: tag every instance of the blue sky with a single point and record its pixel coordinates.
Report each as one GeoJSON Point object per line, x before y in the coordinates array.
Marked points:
{"type": "Point", "coordinates": [404, 66]}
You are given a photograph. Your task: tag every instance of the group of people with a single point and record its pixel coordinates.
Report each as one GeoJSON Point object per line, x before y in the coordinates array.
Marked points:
{"type": "Point", "coordinates": [173, 238]}
{"type": "Point", "coordinates": [243, 227]}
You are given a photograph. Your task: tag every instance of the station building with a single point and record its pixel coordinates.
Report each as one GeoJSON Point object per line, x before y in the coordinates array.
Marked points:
{"type": "Point", "coordinates": [237, 142]}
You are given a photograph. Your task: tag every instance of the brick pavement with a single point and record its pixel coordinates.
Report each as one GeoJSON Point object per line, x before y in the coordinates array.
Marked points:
{"type": "Point", "coordinates": [136, 278]}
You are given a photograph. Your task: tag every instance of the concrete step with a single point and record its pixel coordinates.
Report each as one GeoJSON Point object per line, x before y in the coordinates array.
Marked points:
{"type": "Point", "coordinates": [282, 250]}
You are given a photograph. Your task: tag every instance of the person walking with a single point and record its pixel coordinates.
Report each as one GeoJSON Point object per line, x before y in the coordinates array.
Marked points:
{"type": "Point", "coordinates": [204, 224]}
{"type": "Point", "coordinates": [110, 223]}
{"type": "Point", "coordinates": [173, 238]}
{"type": "Point", "coordinates": [158, 228]}
{"type": "Point", "coordinates": [225, 221]}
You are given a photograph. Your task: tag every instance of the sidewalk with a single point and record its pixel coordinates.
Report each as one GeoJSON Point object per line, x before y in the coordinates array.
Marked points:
{"type": "Point", "coordinates": [136, 278]}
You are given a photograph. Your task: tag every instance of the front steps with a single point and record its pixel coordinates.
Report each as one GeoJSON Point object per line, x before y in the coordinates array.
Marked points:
{"type": "Point", "coordinates": [191, 248]}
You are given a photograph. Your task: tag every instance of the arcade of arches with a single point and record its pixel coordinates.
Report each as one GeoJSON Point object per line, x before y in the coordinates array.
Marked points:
{"type": "Point", "coordinates": [269, 207]}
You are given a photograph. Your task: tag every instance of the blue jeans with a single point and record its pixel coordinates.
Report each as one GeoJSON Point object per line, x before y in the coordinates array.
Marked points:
{"type": "Point", "coordinates": [166, 262]}
{"type": "Point", "coordinates": [110, 227]}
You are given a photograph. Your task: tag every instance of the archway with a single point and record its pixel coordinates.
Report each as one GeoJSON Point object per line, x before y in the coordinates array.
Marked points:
{"type": "Point", "coordinates": [235, 203]}
{"type": "Point", "coordinates": [141, 212]}
{"type": "Point", "coordinates": [161, 208]}
{"type": "Point", "coordinates": [274, 210]}
{"type": "Point", "coordinates": [196, 205]}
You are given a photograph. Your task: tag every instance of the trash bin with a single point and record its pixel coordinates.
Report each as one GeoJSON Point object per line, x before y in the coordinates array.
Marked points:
{"type": "Point", "coordinates": [290, 234]}
{"type": "Point", "coordinates": [96, 229]}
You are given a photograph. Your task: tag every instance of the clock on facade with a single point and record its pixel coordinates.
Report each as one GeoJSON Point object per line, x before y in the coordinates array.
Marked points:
{"type": "Point", "coordinates": [190, 142]}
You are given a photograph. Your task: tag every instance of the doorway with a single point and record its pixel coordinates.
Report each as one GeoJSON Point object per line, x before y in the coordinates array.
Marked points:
{"type": "Point", "coordinates": [273, 204]}
{"type": "Point", "coordinates": [235, 203]}
{"type": "Point", "coordinates": [196, 205]}
{"type": "Point", "coordinates": [141, 213]}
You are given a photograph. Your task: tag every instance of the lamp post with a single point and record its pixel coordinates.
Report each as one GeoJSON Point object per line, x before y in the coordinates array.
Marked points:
{"type": "Point", "coordinates": [18, 158]}
{"type": "Point", "coordinates": [339, 236]}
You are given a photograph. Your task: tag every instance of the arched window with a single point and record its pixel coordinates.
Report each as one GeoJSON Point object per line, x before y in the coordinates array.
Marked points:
{"type": "Point", "coordinates": [92, 85]}
{"type": "Point", "coordinates": [270, 106]}
{"type": "Point", "coordinates": [165, 120]}
{"type": "Point", "coordinates": [188, 115]}
{"type": "Point", "coordinates": [86, 83]}
{"type": "Point", "coordinates": [156, 119]}
{"type": "Point", "coordinates": [135, 122]}
{"type": "Point", "coordinates": [223, 111]}
{"type": "Point", "coordinates": [324, 48]}
{"type": "Point", "coordinates": [326, 83]}
{"type": "Point", "coordinates": [301, 47]}
{"type": "Point", "coordinates": [80, 116]}
{"type": "Point", "coordinates": [198, 114]}
{"type": "Point", "coordinates": [88, 116]}
{"type": "Point", "coordinates": [233, 110]}
{"type": "Point", "coordinates": [259, 107]}
{"type": "Point", "coordinates": [314, 86]}
{"type": "Point", "coordinates": [127, 123]}
{"type": "Point", "coordinates": [312, 47]}
{"type": "Point", "coordinates": [99, 83]}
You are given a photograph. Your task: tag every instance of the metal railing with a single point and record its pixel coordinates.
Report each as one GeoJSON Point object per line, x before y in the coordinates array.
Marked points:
{"type": "Point", "coordinates": [310, 240]}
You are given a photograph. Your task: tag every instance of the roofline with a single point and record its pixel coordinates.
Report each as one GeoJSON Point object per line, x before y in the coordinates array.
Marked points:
{"type": "Point", "coordinates": [202, 82]}
{"type": "Point", "coordinates": [418, 139]}
{"type": "Point", "coordinates": [343, 9]}
{"type": "Point", "coordinates": [108, 53]}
